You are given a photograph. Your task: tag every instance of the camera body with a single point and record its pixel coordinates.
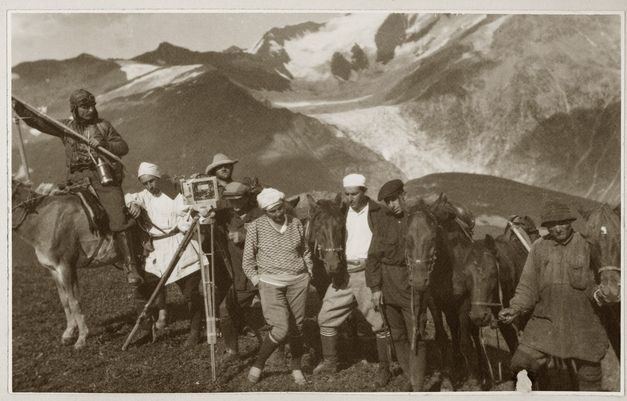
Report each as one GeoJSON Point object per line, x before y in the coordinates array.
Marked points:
{"type": "Point", "coordinates": [202, 192]}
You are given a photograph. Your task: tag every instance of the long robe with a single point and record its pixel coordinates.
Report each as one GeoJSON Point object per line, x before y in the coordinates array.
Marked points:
{"type": "Point", "coordinates": [163, 211]}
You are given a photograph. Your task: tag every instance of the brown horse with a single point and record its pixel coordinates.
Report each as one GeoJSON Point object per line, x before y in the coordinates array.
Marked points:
{"type": "Point", "coordinates": [421, 247]}
{"type": "Point", "coordinates": [461, 264]}
{"type": "Point", "coordinates": [57, 227]}
{"type": "Point", "coordinates": [603, 232]}
{"type": "Point", "coordinates": [325, 229]}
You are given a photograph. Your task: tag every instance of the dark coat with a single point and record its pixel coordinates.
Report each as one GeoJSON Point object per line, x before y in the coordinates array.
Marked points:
{"type": "Point", "coordinates": [556, 286]}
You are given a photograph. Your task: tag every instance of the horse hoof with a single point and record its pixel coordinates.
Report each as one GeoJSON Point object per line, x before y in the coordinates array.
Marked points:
{"type": "Point", "coordinates": [446, 385]}
{"type": "Point", "coordinates": [80, 345]}
{"type": "Point", "coordinates": [67, 340]}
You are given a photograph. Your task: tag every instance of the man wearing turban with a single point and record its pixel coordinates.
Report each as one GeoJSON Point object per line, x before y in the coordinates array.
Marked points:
{"type": "Point", "coordinates": [81, 164]}
{"type": "Point", "coordinates": [166, 230]}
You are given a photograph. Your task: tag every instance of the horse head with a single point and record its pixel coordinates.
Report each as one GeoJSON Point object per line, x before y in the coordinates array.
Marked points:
{"type": "Point", "coordinates": [603, 231]}
{"type": "Point", "coordinates": [482, 281]}
{"type": "Point", "coordinates": [420, 246]}
{"type": "Point", "coordinates": [325, 232]}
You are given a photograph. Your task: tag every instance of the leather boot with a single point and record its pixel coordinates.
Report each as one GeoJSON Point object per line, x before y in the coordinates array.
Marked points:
{"type": "Point", "coordinates": [329, 355]}
{"type": "Point", "coordinates": [402, 355]}
{"type": "Point", "coordinates": [296, 351]}
{"type": "Point", "coordinates": [124, 244]}
{"type": "Point", "coordinates": [383, 373]}
{"type": "Point", "coordinates": [195, 317]}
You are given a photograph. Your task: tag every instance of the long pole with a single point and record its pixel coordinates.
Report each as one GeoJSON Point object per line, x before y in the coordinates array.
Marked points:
{"type": "Point", "coordinates": [67, 130]}
{"type": "Point", "coordinates": [20, 144]}
{"type": "Point", "coordinates": [207, 277]}
{"type": "Point", "coordinates": [168, 272]}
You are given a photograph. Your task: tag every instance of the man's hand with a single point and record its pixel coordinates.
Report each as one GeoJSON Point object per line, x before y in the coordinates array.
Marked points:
{"type": "Point", "coordinates": [94, 143]}
{"type": "Point", "coordinates": [236, 237]}
{"type": "Point", "coordinates": [134, 210]}
{"type": "Point", "coordinates": [377, 299]}
{"type": "Point", "coordinates": [507, 315]}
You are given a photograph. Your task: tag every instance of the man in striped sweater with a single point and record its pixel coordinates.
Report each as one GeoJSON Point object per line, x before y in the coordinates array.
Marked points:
{"type": "Point", "coordinates": [277, 259]}
{"type": "Point", "coordinates": [361, 216]}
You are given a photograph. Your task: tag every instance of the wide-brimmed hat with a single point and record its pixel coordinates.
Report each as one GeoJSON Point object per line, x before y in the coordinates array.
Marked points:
{"type": "Point", "coordinates": [235, 190]}
{"type": "Point", "coordinates": [219, 159]}
{"type": "Point", "coordinates": [554, 211]}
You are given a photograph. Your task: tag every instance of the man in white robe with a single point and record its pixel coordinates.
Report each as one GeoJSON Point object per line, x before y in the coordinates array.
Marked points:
{"type": "Point", "coordinates": [167, 228]}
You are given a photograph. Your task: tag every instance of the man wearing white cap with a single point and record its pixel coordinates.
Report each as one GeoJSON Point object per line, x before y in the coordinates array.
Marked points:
{"type": "Point", "coordinates": [277, 259]}
{"type": "Point", "coordinates": [166, 231]}
{"type": "Point", "coordinates": [339, 300]}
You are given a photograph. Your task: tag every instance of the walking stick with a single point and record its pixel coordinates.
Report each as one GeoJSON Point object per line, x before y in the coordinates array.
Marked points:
{"type": "Point", "coordinates": [177, 256]}
{"type": "Point", "coordinates": [208, 286]}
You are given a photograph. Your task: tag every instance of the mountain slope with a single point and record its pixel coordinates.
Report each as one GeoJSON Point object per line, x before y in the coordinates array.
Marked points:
{"type": "Point", "coordinates": [181, 126]}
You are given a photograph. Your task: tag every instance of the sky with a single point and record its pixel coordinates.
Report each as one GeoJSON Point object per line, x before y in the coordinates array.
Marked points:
{"type": "Point", "coordinates": [36, 36]}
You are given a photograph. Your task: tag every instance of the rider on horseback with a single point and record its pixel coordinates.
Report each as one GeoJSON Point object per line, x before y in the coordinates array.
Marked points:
{"type": "Point", "coordinates": [82, 165]}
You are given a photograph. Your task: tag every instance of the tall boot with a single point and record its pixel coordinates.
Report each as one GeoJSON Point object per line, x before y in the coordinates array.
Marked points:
{"type": "Point", "coordinates": [195, 317]}
{"type": "Point", "coordinates": [383, 351]}
{"type": "Point", "coordinates": [402, 355]}
{"type": "Point", "coordinates": [124, 244]}
{"type": "Point", "coordinates": [296, 351]}
{"type": "Point", "coordinates": [229, 335]}
{"type": "Point", "coordinates": [417, 365]}
{"type": "Point", "coordinates": [329, 355]}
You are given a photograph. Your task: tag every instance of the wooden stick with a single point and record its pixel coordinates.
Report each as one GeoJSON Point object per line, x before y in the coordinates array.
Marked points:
{"type": "Point", "coordinates": [177, 256]}
{"type": "Point", "coordinates": [20, 144]}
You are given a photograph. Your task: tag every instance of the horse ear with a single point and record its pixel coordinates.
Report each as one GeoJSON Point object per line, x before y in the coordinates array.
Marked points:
{"type": "Point", "coordinates": [338, 199]}
{"type": "Point", "coordinates": [313, 205]}
{"type": "Point", "coordinates": [293, 201]}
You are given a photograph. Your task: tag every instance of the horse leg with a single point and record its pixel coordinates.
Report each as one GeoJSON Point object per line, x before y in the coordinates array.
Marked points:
{"type": "Point", "coordinates": [70, 329]}
{"type": "Point", "coordinates": [482, 362]}
{"type": "Point", "coordinates": [441, 374]}
{"type": "Point", "coordinates": [458, 359]}
{"type": "Point", "coordinates": [70, 281]}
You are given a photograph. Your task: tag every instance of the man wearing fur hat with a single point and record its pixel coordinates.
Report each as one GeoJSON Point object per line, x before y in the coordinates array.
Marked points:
{"type": "Point", "coordinates": [340, 299]}
{"type": "Point", "coordinates": [81, 164]}
{"type": "Point", "coordinates": [166, 228]}
{"type": "Point", "coordinates": [558, 288]}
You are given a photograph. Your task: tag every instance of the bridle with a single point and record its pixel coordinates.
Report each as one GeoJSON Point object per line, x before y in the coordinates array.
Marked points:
{"type": "Point", "coordinates": [498, 284]}
{"type": "Point", "coordinates": [29, 205]}
{"type": "Point", "coordinates": [318, 249]}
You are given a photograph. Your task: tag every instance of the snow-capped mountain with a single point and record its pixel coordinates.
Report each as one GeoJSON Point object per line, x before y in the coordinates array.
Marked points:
{"type": "Point", "coordinates": [533, 98]}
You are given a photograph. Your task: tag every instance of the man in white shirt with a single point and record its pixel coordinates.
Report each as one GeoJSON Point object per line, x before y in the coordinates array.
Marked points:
{"type": "Point", "coordinates": [338, 303]}
{"type": "Point", "coordinates": [166, 231]}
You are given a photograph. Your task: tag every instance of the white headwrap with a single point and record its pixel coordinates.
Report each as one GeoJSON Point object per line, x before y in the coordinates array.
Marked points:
{"type": "Point", "coordinates": [354, 180]}
{"type": "Point", "coordinates": [146, 168]}
{"type": "Point", "coordinates": [269, 197]}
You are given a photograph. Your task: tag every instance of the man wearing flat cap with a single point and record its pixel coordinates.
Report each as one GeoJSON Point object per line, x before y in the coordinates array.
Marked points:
{"type": "Point", "coordinates": [341, 297]}
{"type": "Point", "coordinates": [236, 310]}
{"type": "Point", "coordinates": [558, 288]}
{"type": "Point", "coordinates": [388, 278]}
{"type": "Point", "coordinates": [81, 165]}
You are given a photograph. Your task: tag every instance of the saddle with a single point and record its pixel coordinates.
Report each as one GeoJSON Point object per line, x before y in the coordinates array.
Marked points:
{"type": "Point", "coordinates": [95, 212]}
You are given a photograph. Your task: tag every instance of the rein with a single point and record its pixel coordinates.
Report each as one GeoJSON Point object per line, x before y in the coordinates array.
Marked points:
{"type": "Point", "coordinates": [29, 205]}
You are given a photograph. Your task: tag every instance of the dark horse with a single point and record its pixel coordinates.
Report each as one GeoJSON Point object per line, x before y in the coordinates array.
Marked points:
{"type": "Point", "coordinates": [420, 248]}
{"type": "Point", "coordinates": [459, 274]}
{"type": "Point", "coordinates": [57, 227]}
{"type": "Point", "coordinates": [324, 230]}
{"type": "Point", "coordinates": [603, 233]}
{"type": "Point", "coordinates": [495, 290]}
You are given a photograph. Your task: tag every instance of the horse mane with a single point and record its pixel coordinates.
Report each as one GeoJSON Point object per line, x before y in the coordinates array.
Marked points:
{"type": "Point", "coordinates": [418, 205]}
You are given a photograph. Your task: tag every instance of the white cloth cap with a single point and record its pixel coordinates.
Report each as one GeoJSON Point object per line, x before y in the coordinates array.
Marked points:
{"type": "Point", "coordinates": [269, 197]}
{"type": "Point", "coordinates": [354, 180]}
{"type": "Point", "coordinates": [146, 168]}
